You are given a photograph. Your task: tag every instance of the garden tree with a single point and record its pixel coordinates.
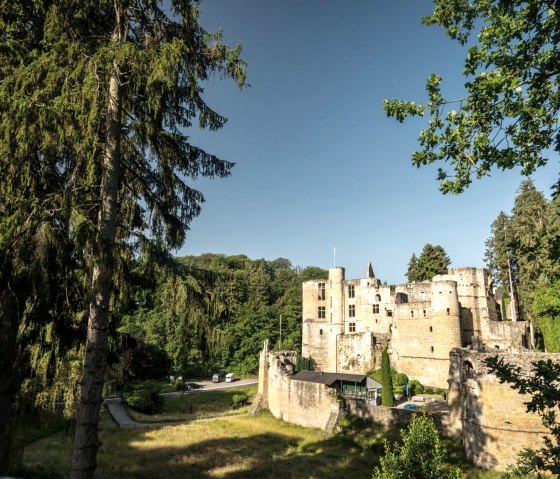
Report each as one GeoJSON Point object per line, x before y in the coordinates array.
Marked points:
{"type": "Point", "coordinates": [508, 116]}
{"type": "Point", "coordinates": [100, 92]}
{"type": "Point", "coordinates": [387, 397]}
{"type": "Point", "coordinates": [433, 260]}
{"type": "Point", "coordinates": [546, 308]}
{"type": "Point", "coordinates": [542, 385]}
{"type": "Point", "coordinates": [420, 456]}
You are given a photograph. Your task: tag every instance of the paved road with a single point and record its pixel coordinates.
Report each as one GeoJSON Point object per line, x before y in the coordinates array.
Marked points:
{"type": "Point", "coordinates": [210, 386]}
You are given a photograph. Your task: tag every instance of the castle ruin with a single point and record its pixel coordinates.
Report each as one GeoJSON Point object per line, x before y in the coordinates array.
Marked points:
{"type": "Point", "coordinates": [347, 323]}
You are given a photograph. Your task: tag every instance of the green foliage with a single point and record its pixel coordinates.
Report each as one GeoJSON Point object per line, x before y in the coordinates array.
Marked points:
{"type": "Point", "coordinates": [304, 364]}
{"type": "Point", "coordinates": [420, 456]}
{"type": "Point", "coordinates": [399, 379]}
{"type": "Point", "coordinates": [415, 387]}
{"type": "Point", "coordinates": [213, 312]}
{"type": "Point", "coordinates": [524, 245]}
{"type": "Point", "coordinates": [542, 386]}
{"type": "Point", "coordinates": [239, 400]}
{"type": "Point", "coordinates": [546, 309]}
{"type": "Point", "coordinates": [508, 116]}
{"type": "Point", "coordinates": [387, 397]}
{"type": "Point", "coordinates": [433, 260]}
{"type": "Point", "coordinates": [142, 396]}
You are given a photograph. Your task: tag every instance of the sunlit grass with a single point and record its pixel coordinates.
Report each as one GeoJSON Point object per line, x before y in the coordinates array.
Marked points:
{"type": "Point", "coordinates": [233, 447]}
{"type": "Point", "coordinates": [188, 407]}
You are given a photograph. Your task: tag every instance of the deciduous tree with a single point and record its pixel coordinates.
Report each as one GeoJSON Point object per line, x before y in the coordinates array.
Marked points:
{"type": "Point", "coordinates": [508, 116]}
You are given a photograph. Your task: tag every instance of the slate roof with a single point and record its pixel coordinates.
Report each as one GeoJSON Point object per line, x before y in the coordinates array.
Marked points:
{"type": "Point", "coordinates": [330, 378]}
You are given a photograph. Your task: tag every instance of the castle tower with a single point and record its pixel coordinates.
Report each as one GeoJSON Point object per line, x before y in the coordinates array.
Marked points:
{"type": "Point", "coordinates": [335, 313]}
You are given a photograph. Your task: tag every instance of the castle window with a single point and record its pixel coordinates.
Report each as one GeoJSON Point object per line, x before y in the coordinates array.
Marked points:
{"type": "Point", "coordinates": [331, 317]}
{"type": "Point", "coordinates": [351, 292]}
{"type": "Point", "coordinates": [320, 331]}
{"type": "Point", "coordinates": [352, 327]}
{"type": "Point", "coordinates": [411, 314]}
{"type": "Point", "coordinates": [321, 312]}
{"type": "Point", "coordinates": [424, 312]}
{"type": "Point", "coordinates": [377, 297]}
{"type": "Point", "coordinates": [432, 349]}
{"type": "Point", "coordinates": [389, 312]}
{"type": "Point", "coordinates": [352, 311]}
{"type": "Point", "coordinates": [431, 329]}
{"type": "Point", "coordinates": [447, 311]}
{"type": "Point", "coordinates": [321, 292]}
{"type": "Point", "coordinates": [331, 301]}
{"type": "Point", "coordinates": [375, 309]}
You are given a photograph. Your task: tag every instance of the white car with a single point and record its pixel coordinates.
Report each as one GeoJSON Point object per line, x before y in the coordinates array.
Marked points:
{"type": "Point", "coordinates": [229, 377]}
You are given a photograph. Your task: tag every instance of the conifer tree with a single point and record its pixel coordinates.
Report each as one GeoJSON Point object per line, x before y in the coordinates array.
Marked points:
{"type": "Point", "coordinates": [94, 100]}
{"type": "Point", "coordinates": [432, 261]}
{"type": "Point", "coordinates": [387, 396]}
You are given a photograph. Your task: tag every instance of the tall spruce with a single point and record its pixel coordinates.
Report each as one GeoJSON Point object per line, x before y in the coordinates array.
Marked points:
{"type": "Point", "coordinates": [97, 96]}
{"type": "Point", "coordinates": [433, 260]}
{"type": "Point", "coordinates": [387, 396]}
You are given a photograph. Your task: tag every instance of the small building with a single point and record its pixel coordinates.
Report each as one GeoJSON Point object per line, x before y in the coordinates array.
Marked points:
{"type": "Point", "coordinates": [352, 386]}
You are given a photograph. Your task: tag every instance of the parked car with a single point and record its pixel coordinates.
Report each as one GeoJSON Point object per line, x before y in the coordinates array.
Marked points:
{"type": "Point", "coordinates": [190, 385]}
{"type": "Point", "coordinates": [410, 406]}
{"type": "Point", "coordinates": [229, 377]}
{"type": "Point", "coordinates": [216, 378]}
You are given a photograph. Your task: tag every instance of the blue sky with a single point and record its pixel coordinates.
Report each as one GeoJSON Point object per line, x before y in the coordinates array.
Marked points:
{"type": "Point", "coordinates": [318, 163]}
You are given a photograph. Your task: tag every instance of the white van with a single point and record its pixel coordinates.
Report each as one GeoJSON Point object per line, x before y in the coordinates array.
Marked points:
{"type": "Point", "coordinates": [216, 378]}
{"type": "Point", "coordinates": [229, 377]}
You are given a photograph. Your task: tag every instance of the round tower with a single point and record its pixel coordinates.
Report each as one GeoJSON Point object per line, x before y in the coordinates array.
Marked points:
{"type": "Point", "coordinates": [445, 318]}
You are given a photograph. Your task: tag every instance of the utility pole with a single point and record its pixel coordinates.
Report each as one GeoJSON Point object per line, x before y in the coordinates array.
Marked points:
{"type": "Point", "coordinates": [280, 347]}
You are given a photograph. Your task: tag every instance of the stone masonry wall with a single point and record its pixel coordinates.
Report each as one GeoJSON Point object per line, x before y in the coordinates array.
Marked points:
{"type": "Point", "coordinates": [299, 402]}
{"type": "Point", "coordinates": [491, 417]}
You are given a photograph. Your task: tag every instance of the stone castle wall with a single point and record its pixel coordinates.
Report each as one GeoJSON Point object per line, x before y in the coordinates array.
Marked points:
{"type": "Point", "coordinates": [344, 320]}
{"type": "Point", "coordinates": [491, 417]}
{"type": "Point", "coordinates": [299, 402]}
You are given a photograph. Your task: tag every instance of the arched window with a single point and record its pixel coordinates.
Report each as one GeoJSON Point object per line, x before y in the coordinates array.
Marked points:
{"type": "Point", "coordinates": [377, 297]}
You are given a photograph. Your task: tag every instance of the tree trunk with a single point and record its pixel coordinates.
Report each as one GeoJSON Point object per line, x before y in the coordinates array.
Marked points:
{"type": "Point", "coordinates": [86, 437]}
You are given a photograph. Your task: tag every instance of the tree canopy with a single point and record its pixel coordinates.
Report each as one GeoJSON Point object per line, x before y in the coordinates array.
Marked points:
{"type": "Point", "coordinates": [420, 456]}
{"type": "Point", "coordinates": [94, 102]}
{"type": "Point", "coordinates": [523, 245]}
{"type": "Point", "coordinates": [432, 261]}
{"type": "Point", "coordinates": [508, 116]}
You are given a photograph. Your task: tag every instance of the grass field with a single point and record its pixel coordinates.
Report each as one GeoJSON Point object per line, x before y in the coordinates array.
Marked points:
{"type": "Point", "coordinates": [196, 406]}
{"type": "Point", "coordinates": [232, 447]}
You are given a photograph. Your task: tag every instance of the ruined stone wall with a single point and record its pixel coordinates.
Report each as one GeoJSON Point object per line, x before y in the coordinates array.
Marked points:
{"type": "Point", "coordinates": [491, 417]}
{"type": "Point", "coordinates": [299, 402]}
{"type": "Point", "coordinates": [355, 352]}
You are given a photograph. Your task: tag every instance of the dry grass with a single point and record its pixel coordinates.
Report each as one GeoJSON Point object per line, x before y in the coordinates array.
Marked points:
{"type": "Point", "coordinates": [237, 447]}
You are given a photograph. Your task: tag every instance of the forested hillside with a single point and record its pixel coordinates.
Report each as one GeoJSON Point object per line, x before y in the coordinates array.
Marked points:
{"type": "Point", "coordinates": [209, 313]}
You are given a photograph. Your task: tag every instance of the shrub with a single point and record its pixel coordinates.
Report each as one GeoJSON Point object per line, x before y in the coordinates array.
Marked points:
{"type": "Point", "coordinates": [399, 390]}
{"type": "Point", "coordinates": [429, 391]}
{"type": "Point", "coordinates": [375, 375]}
{"type": "Point", "coordinates": [142, 396]}
{"type": "Point", "coordinates": [239, 400]}
{"type": "Point", "coordinates": [399, 379]}
{"type": "Point", "coordinates": [415, 387]}
{"type": "Point", "coordinates": [420, 455]}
